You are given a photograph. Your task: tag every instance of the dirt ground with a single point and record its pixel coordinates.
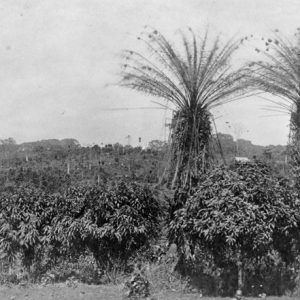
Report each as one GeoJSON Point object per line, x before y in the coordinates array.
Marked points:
{"type": "Point", "coordinates": [92, 292]}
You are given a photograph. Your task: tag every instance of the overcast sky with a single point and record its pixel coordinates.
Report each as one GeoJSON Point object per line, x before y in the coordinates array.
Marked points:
{"type": "Point", "coordinates": [59, 60]}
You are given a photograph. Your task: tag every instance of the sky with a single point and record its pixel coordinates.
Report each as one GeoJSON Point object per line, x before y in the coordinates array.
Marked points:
{"type": "Point", "coordinates": [60, 62]}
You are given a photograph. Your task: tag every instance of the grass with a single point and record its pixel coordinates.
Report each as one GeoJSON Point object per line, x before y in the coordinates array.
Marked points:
{"type": "Point", "coordinates": [92, 292]}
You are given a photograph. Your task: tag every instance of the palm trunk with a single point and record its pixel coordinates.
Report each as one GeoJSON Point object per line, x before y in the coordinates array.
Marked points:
{"type": "Point", "coordinates": [294, 145]}
{"type": "Point", "coordinates": [176, 173]}
{"type": "Point", "coordinates": [188, 155]}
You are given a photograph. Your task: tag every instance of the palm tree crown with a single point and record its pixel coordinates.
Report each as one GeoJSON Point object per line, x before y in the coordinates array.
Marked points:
{"type": "Point", "coordinates": [195, 79]}
{"type": "Point", "coordinates": [279, 75]}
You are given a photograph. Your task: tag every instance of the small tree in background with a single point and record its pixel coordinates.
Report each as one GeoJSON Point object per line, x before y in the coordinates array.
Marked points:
{"type": "Point", "coordinates": [158, 146]}
{"type": "Point", "coordinates": [238, 214]}
{"type": "Point", "coordinates": [195, 78]}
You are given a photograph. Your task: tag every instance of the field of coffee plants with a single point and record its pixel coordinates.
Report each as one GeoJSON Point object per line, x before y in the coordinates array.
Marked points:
{"type": "Point", "coordinates": [200, 214]}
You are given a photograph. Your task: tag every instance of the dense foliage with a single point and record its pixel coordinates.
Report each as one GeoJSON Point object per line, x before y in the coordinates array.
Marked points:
{"type": "Point", "coordinates": [239, 214]}
{"type": "Point", "coordinates": [25, 213]}
{"type": "Point", "coordinates": [38, 197]}
{"type": "Point", "coordinates": [111, 221]}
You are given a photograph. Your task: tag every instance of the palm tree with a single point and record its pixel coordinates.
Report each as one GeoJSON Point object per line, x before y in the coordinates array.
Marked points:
{"type": "Point", "coordinates": [279, 75]}
{"type": "Point", "coordinates": [194, 78]}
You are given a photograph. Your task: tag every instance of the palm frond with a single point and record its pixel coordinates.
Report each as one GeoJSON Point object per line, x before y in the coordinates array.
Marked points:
{"type": "Point", "coordinates": [200, 76]}
{"type": "Point", "coordinates": [279, 75]}
{"type": "Point", "coordinates": [195, 78]}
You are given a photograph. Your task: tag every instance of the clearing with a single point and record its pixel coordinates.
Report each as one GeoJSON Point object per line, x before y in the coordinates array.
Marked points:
{"type": "Point", "coordinates": [92, 292]}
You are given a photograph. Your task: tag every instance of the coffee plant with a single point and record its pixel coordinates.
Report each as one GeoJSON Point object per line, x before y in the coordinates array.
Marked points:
{"type": "Point", "coordinates": [239, 214]}
{"type": "Point", "coordinates": [25, 214]}
{"type": "Point", "coordinates": [111, 221]}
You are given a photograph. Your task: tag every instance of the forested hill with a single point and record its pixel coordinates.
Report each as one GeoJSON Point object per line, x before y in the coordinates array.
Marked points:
{"type": "Point", "coordinates": [245, 148]}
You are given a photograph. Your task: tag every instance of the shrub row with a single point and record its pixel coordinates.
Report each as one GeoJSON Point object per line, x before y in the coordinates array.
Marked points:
{"type": "Point", "coordinates": [112, 222]}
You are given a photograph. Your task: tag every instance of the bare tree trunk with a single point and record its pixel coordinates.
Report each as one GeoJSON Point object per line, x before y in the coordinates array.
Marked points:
{"type": "Point", "coordinates": [68, 168]}
{"type": "Point", "coordinates": [240, 276]}
{"type": "Point", "coordinates": [240, 270]}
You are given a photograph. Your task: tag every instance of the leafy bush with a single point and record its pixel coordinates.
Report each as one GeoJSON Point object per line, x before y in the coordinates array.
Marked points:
{"type": "Point", "coordinates": [25, 213]}
{"type": "Point", "coordinates": [239, 215]}
{"type": "Point", "coordinates": [112, 222]}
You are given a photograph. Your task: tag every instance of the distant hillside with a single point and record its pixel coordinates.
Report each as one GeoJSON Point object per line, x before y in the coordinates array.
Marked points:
{"type": "Point", "coordinates": [51, 143]}
{"type": "Point", "coordinates": [229, 147]}
{"type": "Point", "coordinates": [245, 148]}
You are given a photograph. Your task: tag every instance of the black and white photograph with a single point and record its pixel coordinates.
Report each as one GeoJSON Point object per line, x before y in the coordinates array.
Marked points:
{"type": "Point", "coordinates": [149, 149]}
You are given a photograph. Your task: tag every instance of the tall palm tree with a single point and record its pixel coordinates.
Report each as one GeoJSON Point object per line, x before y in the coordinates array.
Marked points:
{"type": "Point", "coordinates": [195, 78]}
{"type": "Point", "coordinates": [279, 75]}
